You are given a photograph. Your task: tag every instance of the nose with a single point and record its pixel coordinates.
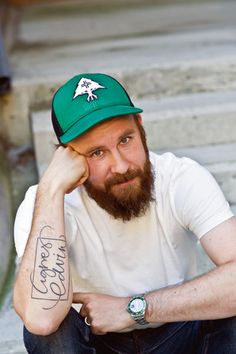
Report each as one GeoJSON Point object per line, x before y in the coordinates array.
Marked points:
{"type": "Point", "coordinates": [119, 164]}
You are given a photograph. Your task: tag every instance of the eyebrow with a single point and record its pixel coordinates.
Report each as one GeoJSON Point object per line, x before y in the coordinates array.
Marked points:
{"type": "Point", "coordinates": [102, 147]}
{"type": "Point", "coordinates": [127, 132]}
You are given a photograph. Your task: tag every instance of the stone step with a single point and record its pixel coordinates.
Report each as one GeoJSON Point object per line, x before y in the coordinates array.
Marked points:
{"type": "Point", "coordinates": [190, 120]}
{"type": "Point", "coordinates": [207, 155]}
{"type": "Point", "coordinates": [193, 55]}
{"type": "Point", "coordinates": [171, 35]}
{"type": "Point", "coordinates": [151, 16]}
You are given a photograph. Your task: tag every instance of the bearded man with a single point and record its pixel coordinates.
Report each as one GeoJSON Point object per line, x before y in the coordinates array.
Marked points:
{"type": "Point", "coordinates": [108, 240]}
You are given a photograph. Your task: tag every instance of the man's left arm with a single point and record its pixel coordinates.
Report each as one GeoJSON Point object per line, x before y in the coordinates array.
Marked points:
{"type": "Point", "coordinates": [209, 296]}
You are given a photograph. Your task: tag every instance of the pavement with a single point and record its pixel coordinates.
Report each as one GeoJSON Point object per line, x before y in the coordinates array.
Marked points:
{"type": "Point", "coordinates": [159, 51]}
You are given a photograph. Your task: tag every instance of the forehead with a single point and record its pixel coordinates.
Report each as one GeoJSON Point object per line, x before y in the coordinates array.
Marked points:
{"type": "Point", "coordinates": [106, 129]}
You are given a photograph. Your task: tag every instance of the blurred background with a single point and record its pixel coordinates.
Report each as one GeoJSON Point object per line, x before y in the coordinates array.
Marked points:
{"type": "Point", "coordinates": [177, 59]}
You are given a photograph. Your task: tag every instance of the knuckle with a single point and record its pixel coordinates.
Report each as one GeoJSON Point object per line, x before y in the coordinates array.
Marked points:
{"type": "Point", "coordinates": [89, 306]}
{"type": "Point", "coordinates": [95, 329]}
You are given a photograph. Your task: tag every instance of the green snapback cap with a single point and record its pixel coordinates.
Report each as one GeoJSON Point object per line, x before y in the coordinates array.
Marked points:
{"type": "Point", "coordinates": [86, 100]}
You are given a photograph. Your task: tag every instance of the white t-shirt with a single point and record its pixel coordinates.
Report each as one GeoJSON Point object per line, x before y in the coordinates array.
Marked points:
{"type": "Point", "coordinates": [154, 251]}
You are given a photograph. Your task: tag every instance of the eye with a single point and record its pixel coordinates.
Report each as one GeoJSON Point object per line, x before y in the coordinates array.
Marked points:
{"type": "Point", "coordinates": [125, 140]}
{"type": "Point", "coordinates": [97, 153]}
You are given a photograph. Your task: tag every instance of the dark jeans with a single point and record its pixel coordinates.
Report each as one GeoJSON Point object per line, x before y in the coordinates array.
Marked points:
{"type": "Point", "coordinates": [197, 337]}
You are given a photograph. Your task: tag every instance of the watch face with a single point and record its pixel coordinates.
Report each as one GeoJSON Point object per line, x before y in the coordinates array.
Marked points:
{"type": "Point", "coordinates": [137, 306]}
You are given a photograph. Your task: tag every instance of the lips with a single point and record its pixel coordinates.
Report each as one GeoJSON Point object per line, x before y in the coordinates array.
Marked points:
{"type": "Point", "coordinates": [122, 179]}
{"type": "Point", "coordinates": [126, 183]}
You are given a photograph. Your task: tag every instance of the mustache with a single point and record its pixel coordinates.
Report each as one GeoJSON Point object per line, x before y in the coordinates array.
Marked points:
{"type": "Point", "coordinates": [122, 178]}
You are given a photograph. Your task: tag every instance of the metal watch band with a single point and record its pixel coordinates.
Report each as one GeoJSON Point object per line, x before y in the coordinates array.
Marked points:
{"type": "Point", "coordinates": [141, 321]}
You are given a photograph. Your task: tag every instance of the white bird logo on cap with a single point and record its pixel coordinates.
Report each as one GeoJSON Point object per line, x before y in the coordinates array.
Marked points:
{"type": "Point", "coordinates": [87, 86]}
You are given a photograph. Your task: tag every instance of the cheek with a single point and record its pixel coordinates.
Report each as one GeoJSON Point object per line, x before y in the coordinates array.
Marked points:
{"type": "Point", "coordinates": [138, 155]}
{"type": "Point", "coordinates": [97, 173]}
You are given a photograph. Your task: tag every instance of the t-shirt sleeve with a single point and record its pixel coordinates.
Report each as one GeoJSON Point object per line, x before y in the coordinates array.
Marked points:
{"type": "Point", "coordinates": [199, 203]}
{"type": "Point", "coordinates": [23, 221]}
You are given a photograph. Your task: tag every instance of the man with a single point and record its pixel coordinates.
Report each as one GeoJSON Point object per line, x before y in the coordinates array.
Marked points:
{"type": "Point", "coordinates": [112, 229]}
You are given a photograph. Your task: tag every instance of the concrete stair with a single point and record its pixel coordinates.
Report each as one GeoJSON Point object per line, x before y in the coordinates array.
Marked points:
{"type": "Point", "coordinates": [190, 120]}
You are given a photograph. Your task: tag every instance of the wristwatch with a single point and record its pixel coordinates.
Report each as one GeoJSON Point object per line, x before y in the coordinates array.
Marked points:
{"type": "Point", "coordinates": [137, 307]}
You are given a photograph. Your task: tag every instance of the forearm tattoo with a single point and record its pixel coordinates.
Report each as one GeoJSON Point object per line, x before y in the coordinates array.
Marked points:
{"type": "Point", "coordinates": [50, 276]}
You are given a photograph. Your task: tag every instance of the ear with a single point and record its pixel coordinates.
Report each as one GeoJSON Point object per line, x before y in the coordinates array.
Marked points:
{"type": "Point", "coordinates": [139, 117]}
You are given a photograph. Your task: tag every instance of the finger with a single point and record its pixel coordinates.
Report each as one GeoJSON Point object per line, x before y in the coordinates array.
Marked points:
{"type": "Point", "coordinates": [79, 298]}
{"type": "Point", "coordinates": [82, 179]}
{"type": "Point", "coordinates": [83, 312]}
{"type": "Point", "coordinates": [97, 331]}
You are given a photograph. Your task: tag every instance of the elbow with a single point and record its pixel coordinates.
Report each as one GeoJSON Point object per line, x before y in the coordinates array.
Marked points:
{"type": "Point", "coordinates": [34, 323]}
{"type": "Point", "coordinates": [41, 327]}
{"type": "Point", "coordinates": [38, 326]}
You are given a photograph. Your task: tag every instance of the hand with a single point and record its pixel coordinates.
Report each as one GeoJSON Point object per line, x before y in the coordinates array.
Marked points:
{"type": "Point", "coordinates": [67, 170]}
{"type": "Point", "coordinates": [105, 313]}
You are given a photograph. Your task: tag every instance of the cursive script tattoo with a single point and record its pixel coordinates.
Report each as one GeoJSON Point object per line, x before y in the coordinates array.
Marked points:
{"type": "Point", "coordinates": [50, 279]}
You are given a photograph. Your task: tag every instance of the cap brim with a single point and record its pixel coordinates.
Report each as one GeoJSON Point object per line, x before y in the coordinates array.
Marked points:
{"type": "Point", "coordinates": [87, 122]}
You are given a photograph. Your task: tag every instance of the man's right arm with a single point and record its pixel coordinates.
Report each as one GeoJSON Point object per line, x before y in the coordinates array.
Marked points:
{"type": "Point", "coordinates": [43, 292]}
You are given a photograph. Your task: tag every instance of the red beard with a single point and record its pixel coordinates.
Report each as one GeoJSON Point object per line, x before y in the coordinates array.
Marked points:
{"type": "Point", "coordinates": [131, 201]}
